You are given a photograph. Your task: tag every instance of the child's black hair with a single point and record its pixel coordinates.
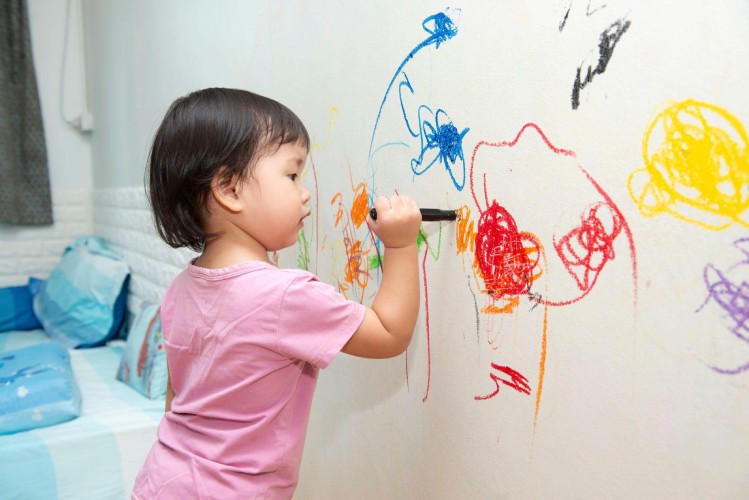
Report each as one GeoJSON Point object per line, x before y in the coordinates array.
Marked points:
{"type": "Point", "coordinates": [208, 133]}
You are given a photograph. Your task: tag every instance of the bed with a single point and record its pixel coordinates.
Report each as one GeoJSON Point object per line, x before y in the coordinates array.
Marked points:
{"type": "Point", "coordinates": [96, 455]}
{"type": "Point", "coordinates": [120, 382]}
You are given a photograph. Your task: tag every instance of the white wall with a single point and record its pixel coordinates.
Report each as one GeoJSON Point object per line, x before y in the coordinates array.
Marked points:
{"type": "Point", "coordinates": [68, 150]}
{"type": "Point", "coordinates": [144, 54]}
{"type": "Point", "coordinates": [630, 406]}
{"type": "Point", "coordinates": [28, 250]}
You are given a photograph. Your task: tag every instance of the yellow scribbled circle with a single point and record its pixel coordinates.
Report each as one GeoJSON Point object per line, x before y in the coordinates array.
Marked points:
{"type": "Point", "coordinates": [696, 166]}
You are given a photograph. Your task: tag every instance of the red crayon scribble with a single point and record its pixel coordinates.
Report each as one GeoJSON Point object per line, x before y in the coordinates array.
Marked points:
{"type": "Point", "coordinates": [317, 211]}
{"type": "Point", "coordinates": [618, 219]}
{"type": "Point", "coordinates": [509, 260]}
{"type": "Point", "coordinates": [506, 258]}
{"type": "Point", "coordinates": [426, 317]}
{"type": "Point", "coordinates": [517, 381]}
{"type": "Point", "coordinates": [513, 143]}
{"type": "Point", "coordinates": [586, 249]}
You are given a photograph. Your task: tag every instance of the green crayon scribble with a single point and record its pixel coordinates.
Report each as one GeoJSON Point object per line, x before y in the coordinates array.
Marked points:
{"type": "Point", "coordinates": [302, 260]}
{"type": "Point", "coordinates": [374, 262]}
{"type": "Point", "coordinates": [422, 237]}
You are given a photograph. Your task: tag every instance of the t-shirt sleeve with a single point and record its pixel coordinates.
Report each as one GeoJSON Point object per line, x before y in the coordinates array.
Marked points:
{"type": "Point", "coordinates": [315, 321]}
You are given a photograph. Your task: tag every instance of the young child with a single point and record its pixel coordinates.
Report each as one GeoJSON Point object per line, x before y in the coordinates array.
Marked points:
{"type": "Point", "coordinates": [245, 339]}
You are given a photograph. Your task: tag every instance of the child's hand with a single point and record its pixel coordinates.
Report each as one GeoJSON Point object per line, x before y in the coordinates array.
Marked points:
{"type": "Point", "coordinates": [398, 221]}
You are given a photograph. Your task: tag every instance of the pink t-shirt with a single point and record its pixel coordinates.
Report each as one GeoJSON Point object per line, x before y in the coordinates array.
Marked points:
{"type": "Point", "coordinates": [244, 345]}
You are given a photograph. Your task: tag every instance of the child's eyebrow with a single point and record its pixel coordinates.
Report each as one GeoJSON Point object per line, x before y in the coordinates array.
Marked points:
{"type": "Point", "coordinates": [296, 160]}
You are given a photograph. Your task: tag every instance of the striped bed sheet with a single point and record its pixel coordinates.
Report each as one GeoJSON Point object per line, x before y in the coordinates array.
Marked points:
{"type": "Point", "coordinates": [96, 455]}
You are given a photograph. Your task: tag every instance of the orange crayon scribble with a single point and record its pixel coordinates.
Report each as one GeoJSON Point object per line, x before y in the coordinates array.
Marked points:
{"type": "Point", "coordinates": [465, 241]}
{"type": "Point", "coordinates": [356, 268]}
{"type": "Point", "coordinates": [341, 211]}
{"type": "Point", "coordinates": [465, 234]}
{"type": "Point", "coordinates": [360, 206]}
{"type": "Point", "coordinates": [696, 166]}
{"type": "Point", "coordinates": [541, 366]}
{"type": "Point", "coordinates": [511, 303]}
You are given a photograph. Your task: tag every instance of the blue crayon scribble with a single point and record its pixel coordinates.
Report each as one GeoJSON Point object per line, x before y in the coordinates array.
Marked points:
{"type": "Point", "coordinates": [732, 297]}
{"type": "Point", "coordinates": [375, 164]}
{"type": "Point", "coordinates": [439, 138]}
{"type": "Point", "coordinates": [440, 142]}
{"type": "Point", "coordinates": [440, 28]}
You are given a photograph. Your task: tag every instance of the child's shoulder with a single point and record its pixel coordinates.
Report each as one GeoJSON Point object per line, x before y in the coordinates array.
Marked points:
{"type": "Point", "coordinates": [297, 273]}
{"type": "Point", "coordinates": [249, 274]}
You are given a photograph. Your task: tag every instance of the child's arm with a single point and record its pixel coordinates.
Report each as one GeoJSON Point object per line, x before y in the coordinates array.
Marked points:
{"type": "Point", "coordinates": [169, 394]}
{"type": "Point", "coordinates": [388, 325]}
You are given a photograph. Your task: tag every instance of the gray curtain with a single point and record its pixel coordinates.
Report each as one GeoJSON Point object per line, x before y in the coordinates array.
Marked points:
{"type": "Point", "coordinates": [24, 177]}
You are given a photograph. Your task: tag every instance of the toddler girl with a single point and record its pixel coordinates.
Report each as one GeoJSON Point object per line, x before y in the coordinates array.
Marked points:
{"type": "Point", "coordinates": [245, 339]}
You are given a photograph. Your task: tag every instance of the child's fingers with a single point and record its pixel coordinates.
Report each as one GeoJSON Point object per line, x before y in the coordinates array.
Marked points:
{"type": "Point", "coordinates": [408, 204]}
{"type": "Point", "coordinates": [382, 203]}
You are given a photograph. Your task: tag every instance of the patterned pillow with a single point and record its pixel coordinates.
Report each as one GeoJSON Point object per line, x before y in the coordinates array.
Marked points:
{"type": "Point", "coordinates": [82, 303]}
{"type": "Point", "coordinates": [17, 307]}
{"type": "Point", "coordinates": [143, 365]}
{"type": "Point", "coordinates": [37, 388]}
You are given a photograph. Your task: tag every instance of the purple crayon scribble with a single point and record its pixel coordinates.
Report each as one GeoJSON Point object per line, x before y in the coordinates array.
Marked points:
{"type": "Point", "coordinates": [733, 298]}
{"type": "Point", "coordinates": [733, 371]}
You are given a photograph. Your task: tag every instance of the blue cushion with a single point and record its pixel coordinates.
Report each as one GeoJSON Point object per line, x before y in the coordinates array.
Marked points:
{"type": "Point", "coordinates": [143, 365]}
{"type": "Point", "coordinates": [82, 303]}
{"type": "Point", "coordinates": [37, 388]}
{"type": "Point", "coordinates": [16, 307]}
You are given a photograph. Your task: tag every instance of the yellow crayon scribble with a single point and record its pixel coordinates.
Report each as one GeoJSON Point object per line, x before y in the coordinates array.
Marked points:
{"type": "Point", "coordinates": [331, 120]}
{"type": "Point", "coordinates": [696, 166]}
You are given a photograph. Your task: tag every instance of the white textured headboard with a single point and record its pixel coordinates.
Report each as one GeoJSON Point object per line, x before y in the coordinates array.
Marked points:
{"type": "Point", "coordinates": [123, 219]}
{"type": "Point", "coordinates": [35, 250]}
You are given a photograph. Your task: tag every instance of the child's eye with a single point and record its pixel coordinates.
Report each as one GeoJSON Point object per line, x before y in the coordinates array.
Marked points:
{"type": "Point", "coordinates": [293, 177]}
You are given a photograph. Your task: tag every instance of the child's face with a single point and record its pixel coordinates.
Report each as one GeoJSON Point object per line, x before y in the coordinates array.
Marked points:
{"type": "Point", "coordinates": [275, 198]}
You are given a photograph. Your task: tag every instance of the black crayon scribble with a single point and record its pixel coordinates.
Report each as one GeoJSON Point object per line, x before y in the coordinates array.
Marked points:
{"type": "Point", "coordinates": [476, 311]}
{"type": "Point", "coordinates": [606, 43]}
{"type": "Point", "coordinates": [588, 13]}
{"type": "Point", "coordinates": [564, 18]}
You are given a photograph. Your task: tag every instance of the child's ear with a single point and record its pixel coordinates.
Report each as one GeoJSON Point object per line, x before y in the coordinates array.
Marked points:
{"type": "Point", "coordinates": [225, 191]}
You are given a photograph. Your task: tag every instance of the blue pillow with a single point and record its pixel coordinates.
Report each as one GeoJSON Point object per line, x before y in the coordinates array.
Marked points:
{"type": "Point", "coordinates": [143, 365]}
{"type": "Point", "coordinates": [16, 307]}
{"type": "Point", "coordinates": [37, 388]}
{"type": "Point", "coordinates": [82, 303]}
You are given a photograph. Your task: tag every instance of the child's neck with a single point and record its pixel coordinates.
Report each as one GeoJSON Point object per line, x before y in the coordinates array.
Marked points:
{"type": "Point", "coordinates": [222, 252]}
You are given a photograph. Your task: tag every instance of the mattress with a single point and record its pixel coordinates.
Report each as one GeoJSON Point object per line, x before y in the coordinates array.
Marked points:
{"type": "Point", "coordinates": [96, 455]}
